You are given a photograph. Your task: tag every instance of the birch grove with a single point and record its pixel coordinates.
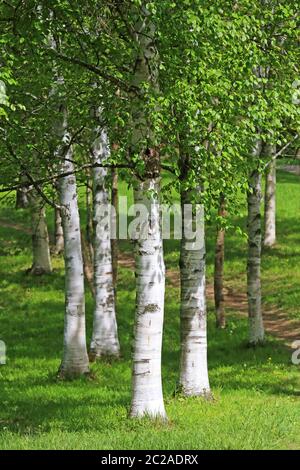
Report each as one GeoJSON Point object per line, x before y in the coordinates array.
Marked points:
{"type": "Point", "coordinates": [196, 103]}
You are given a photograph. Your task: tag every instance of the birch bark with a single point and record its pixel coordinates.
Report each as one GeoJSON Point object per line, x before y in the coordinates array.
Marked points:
{"type": "Point", "coordinates": [105, 340]}
{"type": "Point", "coordinates": [270, 199]}
{"type": "Point", "coordinates": [147, 399]}
{"type": "Point", "coordinates": [40, 238]}
{"type": "Point", "coordinates": [59, 233]}
{"type": "Point", "coordinates": [75, 358]}
{"type": "Point", "coordinates": [89, 216]}
{"type": "Point", "coordinates": [256, 326]}
{"type": "Point", "coordinates": [75, 361]}
{"type": "Point", "coordinates": [194, 379]}
{"type": "Point", "coordinates": [147, 395]}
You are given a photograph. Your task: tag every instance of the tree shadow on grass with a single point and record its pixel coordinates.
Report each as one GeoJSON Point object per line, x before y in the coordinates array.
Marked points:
{"type": "Point", "coordinates": [77, 409]}
{"type": "Point", "coordinates": [232, 365]}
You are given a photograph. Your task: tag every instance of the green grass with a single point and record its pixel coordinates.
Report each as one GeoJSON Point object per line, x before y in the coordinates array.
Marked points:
{"type": "Point", "coordinates": [257, 393]}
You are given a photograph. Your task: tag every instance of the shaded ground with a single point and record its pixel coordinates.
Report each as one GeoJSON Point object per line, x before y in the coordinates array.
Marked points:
{"type": "Point", "coordinates": [276, 321]}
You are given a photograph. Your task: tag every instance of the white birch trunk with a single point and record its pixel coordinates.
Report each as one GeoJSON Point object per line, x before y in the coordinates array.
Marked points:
{"type": "Point", "coordinates": [41, 263]}
{"type": "Point", "coordinates": [270, 200]}
{"type": "Point", "coordinates": [89, 216]}
{"type": "Point", "coordinates": [256, 325]}
{"type": "Point", "coordinates": [59, 233]}
{"type": "Point", "coordinates": [105, 340]}
{"type": "Point", "coordinates": [147, 397]}
{"type": "Point", "coordinates": [194, 379]}
{"type": "Point", "coordinates": [75, 358]}
{"type": "Point", "coordinates": [22, 201]}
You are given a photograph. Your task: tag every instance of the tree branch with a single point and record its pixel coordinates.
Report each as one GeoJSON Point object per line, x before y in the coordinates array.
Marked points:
{"type": "Point", "coordinates": [92, 68]}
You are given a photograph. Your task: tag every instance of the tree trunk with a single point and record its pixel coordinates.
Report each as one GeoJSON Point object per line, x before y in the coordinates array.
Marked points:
{"type": "Point", "coordinates": [88, 267]}
{"type": "Point", "coordinates": [194, 379]}
{"type": "Point", "coordinates": [22, 201]}
{"type": "Point", "coordinates": [40, 239]}
{"type": "Point", "coordinates": [59, 233]}
{"type": "Point", "coordinates": [147, 397]}
{"type": "Point", "coordinates": [105, 332]}
{"type": "Point", "coordinates": [114, 241]}
{"type": "Point", "coordinates": [75, 358]}
{"type": "Point", "coordinates": [89, 217]}
{"type": "Point", "coordinates": [270, 200]}
{"type": "Point", "coordinates": [256, 326]}
{"type": "Point", "coordinates": [219, 270]}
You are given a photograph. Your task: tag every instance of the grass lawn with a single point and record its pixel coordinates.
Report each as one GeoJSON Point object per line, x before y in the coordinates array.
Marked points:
{"type": "Point", "coordinates": [257, 393]}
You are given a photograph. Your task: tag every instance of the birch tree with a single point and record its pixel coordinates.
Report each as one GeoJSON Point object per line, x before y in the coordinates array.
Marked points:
{"type": "Point", "coordinates": [193, 313]}
{"type": "Point", "coordinates": [41, 263]}
{"type": "Point", "coordinates": [75, 358]}
{"type": "Point", "coordinates": [105, 340]}
{"type": "Point", "coordinates": [147, 395]}
{"type": "Point", "coordinates": [270, 198]}
{"type": "Point", "coordinates": [256, 325]}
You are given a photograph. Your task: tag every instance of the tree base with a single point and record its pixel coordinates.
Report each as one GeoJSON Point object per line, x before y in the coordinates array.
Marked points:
{"type": "Point", "coordinates": [38, 271]}
{"type": "Point", "coordinates": [57, 251]}
{"type": "Point", "coordinates": [159, 417]}
{"type": "Point", "coordinates": [269, 245]}
{"type": "Point", "coordinates": [105, 357]}
{"type": "Point", "coordinates": [206, 394]}
{"type": "Point", "coordinates": [69, 375]}
{"type": "Point", "coordinates": [221, 325]}
{"type": "Point", "coordinates": [256, 344]}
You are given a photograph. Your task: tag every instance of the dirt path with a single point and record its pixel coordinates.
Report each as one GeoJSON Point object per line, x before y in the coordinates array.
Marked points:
{"type": "Point", "coordinates": [293, 169]}
{"type": "Point", "coordinates": [18, 227]}
{"type": "Point", "coordinates": [276, 321]}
